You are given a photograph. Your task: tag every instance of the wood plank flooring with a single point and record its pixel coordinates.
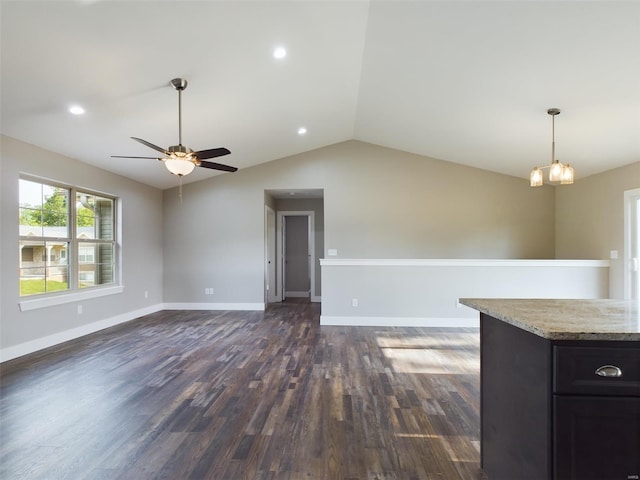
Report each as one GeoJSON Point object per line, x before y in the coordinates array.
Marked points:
{"type": "Point", "coordinates": [245, 395]}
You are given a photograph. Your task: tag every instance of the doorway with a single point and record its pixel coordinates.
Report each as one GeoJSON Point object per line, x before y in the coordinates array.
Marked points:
{"type": "Point", "coordinates": [295, 253]}
{"type": "Point", "coordinates": [296, 209]}
{"type": "Point", "coordinates": [632, 244]}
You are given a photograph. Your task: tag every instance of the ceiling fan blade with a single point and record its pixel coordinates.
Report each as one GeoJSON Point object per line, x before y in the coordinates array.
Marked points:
{"type": "Point", "coordinates": [217, 166]}
{"type": "Point", "coordinates": [151, 145]}
{"type": "Point", "coordinates": [211, 153]}
{"type": "Point", "coordinates": [129, 156]}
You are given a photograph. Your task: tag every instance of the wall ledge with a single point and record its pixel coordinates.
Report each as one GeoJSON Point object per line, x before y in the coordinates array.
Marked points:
{"type": "Point", "coordinates": [454, 262]}
{"type": "Point", "coordinates": [60, 298]}
{"type": "Point", "coordinates": [467, 322]}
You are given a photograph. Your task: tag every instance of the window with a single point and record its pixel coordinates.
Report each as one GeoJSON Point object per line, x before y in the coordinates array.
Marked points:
{"type": "Point", "coordinates": [85, 255]}
{"type": "Point", "coordinates": [27, 254]}
{"type": "Point", "coordinates": [56, 220]}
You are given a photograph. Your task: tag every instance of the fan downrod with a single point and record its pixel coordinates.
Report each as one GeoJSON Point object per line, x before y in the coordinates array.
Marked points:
{"type": "Point", "coordinates": [179, 84]}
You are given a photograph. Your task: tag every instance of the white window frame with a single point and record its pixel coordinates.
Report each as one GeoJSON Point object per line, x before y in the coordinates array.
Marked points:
{"type": "Point", "coordinates": [74, 293]}
{"type": "Point", "coordinates": [630, 232]}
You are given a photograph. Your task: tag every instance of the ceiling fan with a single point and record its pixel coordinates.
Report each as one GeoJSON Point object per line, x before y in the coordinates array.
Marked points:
{"type": "Point", "coordinates": [181, 160]}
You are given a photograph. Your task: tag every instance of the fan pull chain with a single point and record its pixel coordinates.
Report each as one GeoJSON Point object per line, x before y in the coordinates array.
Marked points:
{"type": "Point", "coordinates": [180, 188]}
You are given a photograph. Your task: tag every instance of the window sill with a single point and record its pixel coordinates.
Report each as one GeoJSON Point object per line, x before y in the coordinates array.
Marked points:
{"type": "Point", "coordinates": [43, 302]}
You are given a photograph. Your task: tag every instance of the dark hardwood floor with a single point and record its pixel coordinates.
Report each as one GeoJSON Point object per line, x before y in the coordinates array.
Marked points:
{"type": "Point", "coordinates": [245, 395]}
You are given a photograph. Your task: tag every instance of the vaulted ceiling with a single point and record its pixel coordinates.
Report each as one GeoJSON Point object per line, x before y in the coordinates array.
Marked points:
{"type": "Point", "coordinates": [467, 82]}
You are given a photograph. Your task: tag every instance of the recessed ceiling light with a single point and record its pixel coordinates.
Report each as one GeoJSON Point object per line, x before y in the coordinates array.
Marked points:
{"type": "Point", "coordinates": [279, 52]}
{"type": "Point", "coordinates": [302, 130]}
{"type": "Point", "coordinates": [76, 110]}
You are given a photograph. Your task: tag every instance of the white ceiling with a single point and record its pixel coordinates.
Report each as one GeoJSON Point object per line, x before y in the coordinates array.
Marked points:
{"type": "Point", "coordinates": [467, 82]}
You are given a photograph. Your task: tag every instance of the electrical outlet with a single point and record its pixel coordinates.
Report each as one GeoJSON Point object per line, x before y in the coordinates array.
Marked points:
{"type": "Point", "coordinates": [354, 302]}
{"type": "Point", "coordinates": [79, 309]}
{"type": "Point", "coordinates": [146, 294]}
{"type": "Point", "coordinates": [208, 291]}
{"type": "Point", "coordinates": [332, 252]}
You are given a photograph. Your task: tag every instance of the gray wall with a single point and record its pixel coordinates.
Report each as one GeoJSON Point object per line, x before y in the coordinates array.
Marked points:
{"type": "Point", "coordinates": [378, 203]}
{"type": "Point", "coordinates": [590, 219]}
{"type": "Point", "coordinates": [426, 293]}
{"type": "Point", "coordinates": [141, 220]}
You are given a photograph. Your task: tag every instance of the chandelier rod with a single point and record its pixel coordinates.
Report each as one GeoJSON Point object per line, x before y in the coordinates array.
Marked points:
{"type": "Point", "coordinates": [180, 117]}
{"type": "Point", "coordinates": [553, 138]}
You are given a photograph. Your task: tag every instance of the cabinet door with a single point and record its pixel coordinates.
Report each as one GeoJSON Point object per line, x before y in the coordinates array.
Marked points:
{"type": "Point", "coordinates": [596, 438]}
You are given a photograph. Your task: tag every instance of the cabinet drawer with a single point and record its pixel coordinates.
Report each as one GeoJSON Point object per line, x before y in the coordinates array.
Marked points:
{"type": "Point", "coordinates": [596, 370]}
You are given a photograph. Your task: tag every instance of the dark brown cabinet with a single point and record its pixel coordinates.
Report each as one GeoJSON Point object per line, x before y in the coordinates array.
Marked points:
{"type": "Point", "coordinates": [596, 438]}
{"type": "Point", "coordinates": [596, 412]}
{"type": "Point", "coordinates": [558, 410]}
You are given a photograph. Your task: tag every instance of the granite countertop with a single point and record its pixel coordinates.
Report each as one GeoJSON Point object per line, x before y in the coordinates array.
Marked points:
{"type": "Point", "coordinates": [566, 319]}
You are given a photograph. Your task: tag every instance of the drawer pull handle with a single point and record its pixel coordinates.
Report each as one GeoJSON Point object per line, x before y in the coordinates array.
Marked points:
{"type": "Point", "coordinates": [609, 371]}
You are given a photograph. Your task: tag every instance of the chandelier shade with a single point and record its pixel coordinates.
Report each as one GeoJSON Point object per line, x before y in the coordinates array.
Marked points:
{"type": "Point", "coordinates": [536, 177]}
{"type": "Point", "coordinates": [555, 172]}
{"type": "Point", "coordinates": [567, 175]}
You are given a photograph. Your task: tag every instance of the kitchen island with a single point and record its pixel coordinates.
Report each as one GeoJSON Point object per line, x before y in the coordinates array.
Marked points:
{"type": "Point", "coordinates": [560, 388]}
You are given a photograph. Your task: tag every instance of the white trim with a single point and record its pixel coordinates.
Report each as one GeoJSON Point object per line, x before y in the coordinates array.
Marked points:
{"type": "Point", "coordinates": [74, 241]}
{"type": "Point", "coordinates": [214, 306]}
{"type": "Point", "coordinates": [316, 298]}
{"type": "Point", "coordinates": [471, 322]}
{"type": "Point", "coordinates": [269, 288]}
{"type": "Point", "coordinates": [454, 262]}
{"type": "Point", "coordinates": [31, 346]}
{"type": "Point", "coordinates": [32, 303]}
{"type": "Point", "coordinates": [629, 196]}
{"type": "Point", "coordinates": [297, 294]}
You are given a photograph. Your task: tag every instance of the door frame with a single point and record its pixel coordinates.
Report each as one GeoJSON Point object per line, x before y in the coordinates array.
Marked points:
{"type": "Point", "coordinates": [280, 250]}
{"type": "Point", "coordinates": [270, 288]}
{"type": "Point", "coordinates": [630, 256]}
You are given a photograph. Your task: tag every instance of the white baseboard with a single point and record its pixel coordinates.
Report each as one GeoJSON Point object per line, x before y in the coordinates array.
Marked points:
{"type": "Point", "coordinates": [60, 337]}
{"type": "Point", "coordinates": [471, 322]}
{"type": "Point", "coordinates": [314, 298]}
{"type": "Point", "coordinates": [214, 306]}
{"type": "Point", "coordinates": [297, 294]}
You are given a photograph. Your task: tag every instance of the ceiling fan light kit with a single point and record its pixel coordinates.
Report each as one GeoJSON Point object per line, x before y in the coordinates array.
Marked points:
{"type": "Point", "coordinates": [178, 159]}
{"type": "Point", "coordinates": [179, 166]}
{"type": "Point", "coordinates": [559, 173]}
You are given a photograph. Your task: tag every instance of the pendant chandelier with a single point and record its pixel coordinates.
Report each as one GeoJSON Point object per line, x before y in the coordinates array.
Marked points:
{"type": "Point", "coordinates": [559, 173]}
